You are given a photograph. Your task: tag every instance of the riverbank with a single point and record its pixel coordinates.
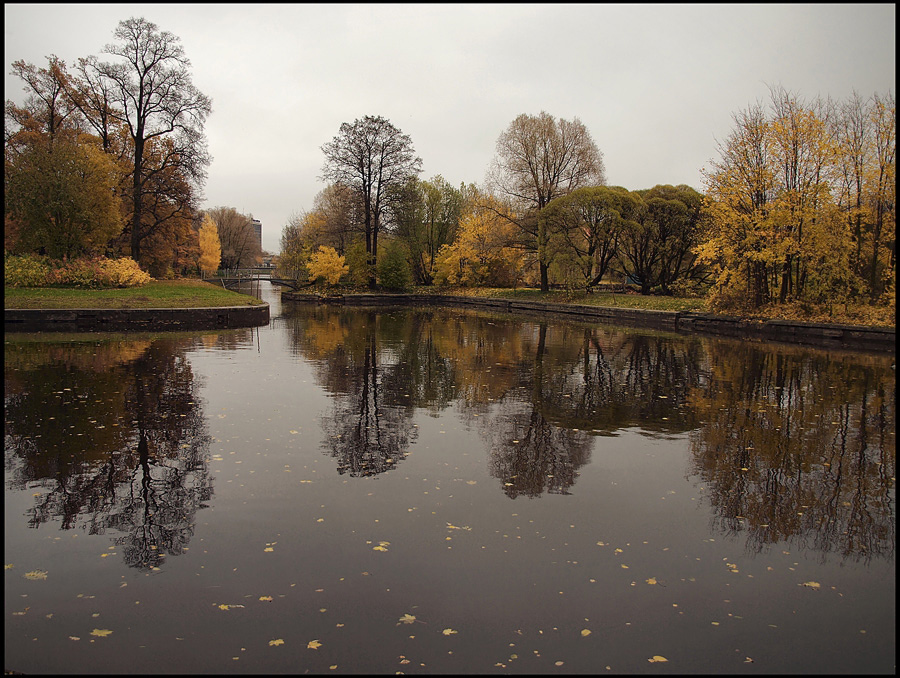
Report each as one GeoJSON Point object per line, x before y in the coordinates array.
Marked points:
{"type": "Point", "coordinates": [164, 305]}
{"type": "Point", "coordinates": [822, 335]}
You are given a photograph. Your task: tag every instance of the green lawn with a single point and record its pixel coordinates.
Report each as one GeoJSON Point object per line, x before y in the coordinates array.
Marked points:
{"type": "Point", "coordinates": [157, 294]}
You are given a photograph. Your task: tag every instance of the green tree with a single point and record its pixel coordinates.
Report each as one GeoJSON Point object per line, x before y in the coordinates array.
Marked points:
{"type": "Point", "coordinates": [589, 221]}
{"type": "Point", "coordinates": [393, 267]}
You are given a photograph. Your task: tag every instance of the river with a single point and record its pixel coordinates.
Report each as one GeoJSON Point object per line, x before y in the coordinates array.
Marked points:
{"type": "Point", "coordinates": [444, 491]}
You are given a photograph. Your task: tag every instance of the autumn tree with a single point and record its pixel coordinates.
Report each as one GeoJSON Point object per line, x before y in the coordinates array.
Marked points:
{"type": "Point", "coordinates": [210, 247]}
{"type": "Point", "coordinates": [240, 247]}
{"type": "Point", "coordinates": [426, 217]}
{"type": "Point", "coordinates": [47, 108]}
{"type": "Point", "coordinates": [370, 156]}
{"type": "Point", "coordinates": [483, 252]}
{"type": "Point", "coordinates": [62, 197]}
{"type": "Point", "coordinates": [294, 256]}
{"type": "Point", "coordinates": [801, 203]}
{"type": "Point", "coordinates": [540, 158]}
{"type": "Point", "coordinates": [326, 263]}
{"type": "Point", "coordinates": [151, 94]}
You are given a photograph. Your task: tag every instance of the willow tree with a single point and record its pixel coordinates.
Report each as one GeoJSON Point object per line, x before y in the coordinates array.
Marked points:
{"type": "Point", "coordinates": [540, 158]}
{"type": "Point", "coordinates": [371, 157]}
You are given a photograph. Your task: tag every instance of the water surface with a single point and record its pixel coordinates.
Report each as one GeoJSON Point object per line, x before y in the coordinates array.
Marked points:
{"type": "Point", "coordinates": [442, 491]}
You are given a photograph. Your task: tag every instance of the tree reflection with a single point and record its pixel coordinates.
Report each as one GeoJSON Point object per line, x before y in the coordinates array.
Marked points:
{"type": "Point", "coordinates": [370, 427]}
{"type": "Point", "coordinates": [798, 447]}
{"type": "Point", "coordinates": [121, 446]}
{"type": "Point", "coordinates": [792, 444]}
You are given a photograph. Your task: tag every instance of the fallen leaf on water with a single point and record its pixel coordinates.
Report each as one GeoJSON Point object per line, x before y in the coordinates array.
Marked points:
{"type": "Point", "coordinates": [228, 607]}
{"type": "Point", "coordinates": [651, 581]}
{"type": "Point", "coordinates": [585, 632]}
{"type": "Point", "coordinates": [557, 663]}
{"type": "Point", "coordinates": [313, 645]}
{"type": "Point", "coordinates": [267, 599]}
{"type": "Point", "coordinates": [657, 658]}
{"type": "Point", "coordinates": [8, 566]}
{"type": "Point", "coordinates": [35, 574]}
{"type": "Point", "coordinates": [74, 638]}
{"type": "Point", "coordinates": [811, 584]}
{"type": "Point", "coordinates": [277, 641]}
{"type": "Point", "coordinates": [408, 618]}
{"type": "Point", "coordinates": [102, 633]}
{"type": "Point", "coordinates": [448, 632]}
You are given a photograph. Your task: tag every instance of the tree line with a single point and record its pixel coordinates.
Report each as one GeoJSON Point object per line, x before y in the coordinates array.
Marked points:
{"type": "Point", "coordinates": [108, 158]}
{"type": "Point", "coordinates": [799, 208]}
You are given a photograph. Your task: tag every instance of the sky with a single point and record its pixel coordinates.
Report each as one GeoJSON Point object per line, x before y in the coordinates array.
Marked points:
{"type": "Point", "coordinates": [655, 85]}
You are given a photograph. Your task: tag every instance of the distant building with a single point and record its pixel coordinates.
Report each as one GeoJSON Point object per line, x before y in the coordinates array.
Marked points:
{"type": "Point", "coordinates": [257, 228]}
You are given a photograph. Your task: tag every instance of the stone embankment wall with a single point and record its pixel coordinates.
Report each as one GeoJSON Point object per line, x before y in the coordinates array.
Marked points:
{"type": "Point", "coordinates": [823, 335]}
{"type": "Point", "coordinates": [134, 320]}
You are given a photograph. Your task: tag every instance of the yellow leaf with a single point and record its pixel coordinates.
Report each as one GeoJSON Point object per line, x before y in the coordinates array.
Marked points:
{"type": "Point", "coordinates": [585, 632]}
{"type": "Point", "coordinates": [277, 641]}
{"type": "Point", "coordinates": [102, 633]}
{"type": "Point", "coordinates": [228, 607]}
{"type": "Point", "coordinates": [651, 581]}
{"type": "Point", "coordinates": [657, 658]}
{"type": "Point", "coordinates": [268, 548]}
{"type": "Point", "coordinates": [8, 566]}
{"type": "Point", "coordinates": [379, 548]}
{"type": "Point", "coordinates": [35, 574]}
{"type": "Point", "coordinates": [812, 584]}
{"type": "Point", "coordinates": [448, 632]}
{"type": "Point", "coordinates": [408, 618]}
{"type": "Point", "coordinates": [313, 645]}
{"type": "Point", "coordinates": [267, 599]}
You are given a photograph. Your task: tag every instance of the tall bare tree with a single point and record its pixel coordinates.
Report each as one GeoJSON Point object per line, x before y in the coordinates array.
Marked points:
{"type": "Point", "coordinates": [153, 96]}
{"type": "Point", "coordinates": [371, 156]}
{"type": "Point", "coordinates": [540, 158]}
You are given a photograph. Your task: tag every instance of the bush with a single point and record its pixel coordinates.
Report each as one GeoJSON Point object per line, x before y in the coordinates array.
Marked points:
{"type": "Point", "coordinates": [39, 271]}
{"type": "Point", "coordinates": [25, 271]}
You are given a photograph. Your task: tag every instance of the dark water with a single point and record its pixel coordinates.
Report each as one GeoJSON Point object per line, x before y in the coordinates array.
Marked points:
{"type": "Point", "coordinates": [438, 491]}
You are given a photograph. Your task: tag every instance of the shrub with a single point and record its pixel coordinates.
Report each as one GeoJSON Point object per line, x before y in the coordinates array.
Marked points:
{"type": "Point", "coordinates": [28, 270]}
{"type": "Point", "coordinates": [39, 271]}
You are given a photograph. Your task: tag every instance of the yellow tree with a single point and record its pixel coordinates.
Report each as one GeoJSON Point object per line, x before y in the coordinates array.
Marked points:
{"type": "Point", "coordinates": [210, 247]}
{"type": "Point", "coordinates": [482, 253]}
{"type": "Point", "coordinates": [327, 264]}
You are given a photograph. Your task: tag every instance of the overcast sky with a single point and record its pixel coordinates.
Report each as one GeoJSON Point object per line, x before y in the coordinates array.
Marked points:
{"type": "Point", "coordinates": [656, 85]}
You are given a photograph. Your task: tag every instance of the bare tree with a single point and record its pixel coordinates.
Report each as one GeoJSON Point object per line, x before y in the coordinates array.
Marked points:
{"type": "Point", "coordinates": [236, 237]}
{"type": "Point", "coordinates": [153, 97]}
{"type": "Point", "coordinates": [371, 157]}
{"type": "Point", "coordinates": [540, 158]}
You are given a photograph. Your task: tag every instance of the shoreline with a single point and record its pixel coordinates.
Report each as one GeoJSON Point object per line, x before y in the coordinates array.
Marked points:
{"type": "Point", "coordinates": [821, 335]}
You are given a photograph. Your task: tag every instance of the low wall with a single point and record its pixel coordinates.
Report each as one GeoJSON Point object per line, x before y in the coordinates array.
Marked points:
{"type": "Point", "coordinates": [134, 320]}
{"type": "Point", "coordinates": [823, 335]}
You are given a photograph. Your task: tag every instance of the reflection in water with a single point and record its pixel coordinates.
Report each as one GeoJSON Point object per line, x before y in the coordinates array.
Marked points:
{"type": "Point", "coordinates": [799, 447]}
{"type": "Point", "coordinates": [113, 435]}
{"type": "Point", "coordinates": [792, 444]}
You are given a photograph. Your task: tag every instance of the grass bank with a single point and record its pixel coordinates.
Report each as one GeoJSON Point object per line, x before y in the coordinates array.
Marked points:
{"type": "Point", "coordinates": [185, 293]}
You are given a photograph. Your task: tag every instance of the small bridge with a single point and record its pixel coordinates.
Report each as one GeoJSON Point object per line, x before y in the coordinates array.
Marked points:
{"type": "Point", "coordinates": [233, 277]}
